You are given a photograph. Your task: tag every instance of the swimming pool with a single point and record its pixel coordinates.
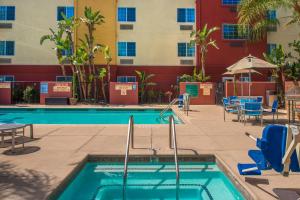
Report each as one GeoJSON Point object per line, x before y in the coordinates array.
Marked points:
{"type": "Point", "coordinates": [150, 181]}
{"type": "Point", "coordinates": [83, 116]}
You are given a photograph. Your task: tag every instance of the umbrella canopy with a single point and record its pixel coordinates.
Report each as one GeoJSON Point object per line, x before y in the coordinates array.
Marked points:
{"type": "Point", "coordinates": [242, 71]}
{"type": "Point", "coordinates": [251, 62]}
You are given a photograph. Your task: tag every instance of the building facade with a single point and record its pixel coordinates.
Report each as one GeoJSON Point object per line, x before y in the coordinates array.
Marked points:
{"type": "Point", "coordinates": [146, 35]}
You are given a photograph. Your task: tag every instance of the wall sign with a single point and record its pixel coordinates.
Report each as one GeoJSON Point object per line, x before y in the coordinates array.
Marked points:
{"type": "Point", "coordinates": [44, 88]}
{"type": "Point", "coordinates": [123, 88]}
{"type": "Point", "coordinates": [61, 87]}
{"type": "Point", "coordinates": [5, 85]}
{"type": "Point", "coordinates": [192, 90]}
{"type": "Point", "coordinates": [206, 89]}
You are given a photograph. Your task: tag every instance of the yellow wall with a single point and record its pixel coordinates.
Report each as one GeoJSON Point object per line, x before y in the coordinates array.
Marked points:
{"type": "Point", "coordinates": [106, 33]}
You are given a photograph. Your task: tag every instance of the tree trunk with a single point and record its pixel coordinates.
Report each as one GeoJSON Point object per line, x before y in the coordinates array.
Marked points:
{"type": "Point", "coordinates": [103, 90]}
{"type": "Point", "coordinates": [63, 70]}
{"type": "Point", "coordinates": [203, 63]}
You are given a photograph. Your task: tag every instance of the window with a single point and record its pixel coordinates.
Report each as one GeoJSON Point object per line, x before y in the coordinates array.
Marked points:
{"type": "Point", "coordinates": [245, 79]}
{"type": "Point", "coordinates": [270, 48]}
{"type": "Point", "coordinates": [7, 48]}
{"type": "Point", "coordinates": [126, 15]}
{"type": "Point", "coordinates": [126, 49]}
{"type": "Point", "coordinates": [7, 13]}
{"type": "Point", "coordinates": [185, 15]}
{"type": "Point", "coordinates": [233, 32]}
{"type": "Point", "coordinates": [66, 52]}
{"type": "Point", "coordinates": [271, 15]}
{"type": "Point", "coordinates": [230, 2]}
{"type": "Point", "coordinates": [68, 11]}
{"type": "Point", "coordinates": [126, 79]}
{"type": "Point", "coordinates": [64, 78]}
{"type": "Point", "coordinates": [7, 78]}
{"type": "Point", "coordinates": [186, 50]}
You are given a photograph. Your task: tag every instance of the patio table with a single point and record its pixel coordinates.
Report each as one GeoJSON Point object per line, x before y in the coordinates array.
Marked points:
{"type": "Point", "coordinates": [4, 128]}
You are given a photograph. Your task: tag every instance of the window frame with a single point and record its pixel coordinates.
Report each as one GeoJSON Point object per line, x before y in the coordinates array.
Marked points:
{"type": "Point", "coordinates": [6, 50]}
{"type": "Point", "coordinates": [126, 78]}
{"type": "Point", "coordinates": [60, 76]}
{"type": "Point", "coordinates": [6, 12]}
{"type": "Point", "coordinates": [188, 53]}
{"type": "Point", "coordinates": [186, 15]}
{"type": "Point", "coordinates": [59, 16]}
{"type": "Point", "coordinates": [5, 76]}
{"type": "Point", "coordinates": [126, 49]}
{"type": "Point", "coordinates": [232, 39]}
{"type": "Point", "coordinates": [231, 4]}
{"type": "Point", "coordinates": [127, 18]}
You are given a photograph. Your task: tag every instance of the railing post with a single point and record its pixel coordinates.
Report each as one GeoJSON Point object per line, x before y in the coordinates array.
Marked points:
{"type": "Point", "coordinates": [132, 132]}
{"type": "Point", "coordinates": [170, 132]}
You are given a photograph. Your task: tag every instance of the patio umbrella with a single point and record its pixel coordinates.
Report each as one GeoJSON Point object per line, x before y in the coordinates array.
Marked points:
{"type": "Point", "coordinates": [242, 71]}
{"type": "Point", "coordinates": [250, 63]}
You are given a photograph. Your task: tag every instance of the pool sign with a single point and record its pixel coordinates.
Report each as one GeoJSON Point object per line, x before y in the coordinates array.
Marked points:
{"type": "Point", "coordinates": [44, 88]}
{"type": "Point", "coordinates": [206, 89]}
{"type": "Point", "coordinates": [61, 87]}
{"type": "Point", "coordinates": [123, 88]}
{"type": "Point", "coordinates": [192, 89]}
{"type": "Point", "coordinates": [5, 85]}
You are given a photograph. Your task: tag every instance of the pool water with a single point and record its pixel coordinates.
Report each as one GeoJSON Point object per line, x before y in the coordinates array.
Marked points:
{"type": "Point", "coordinates": [150, 181]}
{"type": "Point", "coordinates": [82, 116]}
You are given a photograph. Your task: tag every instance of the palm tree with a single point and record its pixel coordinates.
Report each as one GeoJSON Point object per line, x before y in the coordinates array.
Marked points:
{"type": "Point", "coordinates": [60, 44]}
{"type": "Point", "coordinates": [202, 39]}
{"type": "Point", "coordinates": [253, 13]}
{"type": "Point", "coordinates": [91, 19]}
{"type": "Point", "coordinates": [102, 74]}
{"type": "Point", "coordinates": [144, 82]}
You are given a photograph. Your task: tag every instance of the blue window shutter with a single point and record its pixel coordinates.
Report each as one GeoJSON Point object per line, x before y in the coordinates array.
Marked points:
{"type": "Point", "coordinates": [10, 48]}
{"type": "Point", "coordinates": [122, 49]}
{"type": "Point", "coordinates": [181, 13]}
{"type": "Point", "coordinates": [131, 14]}
{"type": "Point", "coordinates": [2, 12]}
{"type": "Point", "coordinates": [69, 12]}
{"type": "Point", "coordinates": [182, 49]}
{"type": "Point", "coordinates": [190, 50]}
{"type": "Point", "coordinates": [10, 13]}
{"type": "Point", "coordinates": [190, 15]}
{"type": "Point", "coordinates": [2, 48]}
{"type": "Point", "coordinates": [122, 14]}
{"type": "Point", "coordinates": [60, 10]}
{"type": "Point", "coordinates": [131, 49]}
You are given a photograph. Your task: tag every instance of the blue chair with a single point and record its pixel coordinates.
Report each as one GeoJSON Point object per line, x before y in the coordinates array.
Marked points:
{"type": "Point", "coordinates": [252, 109]}
{"type": "Point", "coordinates": [180, 101]}
{"type": "Point", "coordinates": [259, 99]}
{"type": "Point", "coordinates": [272, 149]}
{"type": "Point", "coordinates": [274, 110]}
{"type": "Point", "coordinates": [228, 107]}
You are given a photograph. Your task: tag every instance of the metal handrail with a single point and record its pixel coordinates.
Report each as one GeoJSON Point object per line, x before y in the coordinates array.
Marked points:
{"type": "Point", "coordinates": [130, 135]}
{"type": "Point", "coordinates": [168, 107]}
{"type": "Point", "coordinates": [173, 144]}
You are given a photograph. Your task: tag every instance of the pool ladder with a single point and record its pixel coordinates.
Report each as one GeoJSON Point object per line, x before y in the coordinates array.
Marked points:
{"type": "Point", "coordinates": [168, 107]}
{"type": "Point", "coordinates": [172, 145]}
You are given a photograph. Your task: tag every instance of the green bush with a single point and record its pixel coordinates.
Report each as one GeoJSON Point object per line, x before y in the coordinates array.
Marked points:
{"type": "Point", "coordinates": [29, 94]}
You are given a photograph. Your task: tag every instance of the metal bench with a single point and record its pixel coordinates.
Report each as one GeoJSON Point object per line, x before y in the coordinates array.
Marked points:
{"type": "Point", "coordinates": [57, 101]}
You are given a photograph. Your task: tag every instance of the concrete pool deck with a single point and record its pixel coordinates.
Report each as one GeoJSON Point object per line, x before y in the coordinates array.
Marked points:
{"type": "Point", "coordinates": [58, 149]}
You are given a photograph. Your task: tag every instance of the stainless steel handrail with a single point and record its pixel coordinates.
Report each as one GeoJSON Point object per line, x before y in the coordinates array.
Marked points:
{"type": "Point", "coordinates": [168, 107]}
{"type": "Point", "coordinates": [173, 144]}
{"type": "Point", "coordinates": [130, 139]}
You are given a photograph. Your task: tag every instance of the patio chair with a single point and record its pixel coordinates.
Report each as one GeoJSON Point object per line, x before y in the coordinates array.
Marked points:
{"type": "Point", "coordinates": [228, 107]}
{"type": "Point", "coordinates": [259, 99]}
{"type": "Point", "coordinates": [252, 110]}
{"type": "Point", "coordinates": [180, 101]}
{"type": "Point", "coordinates": [274, 110]}
{"type": "Point", "coordinates": [277, 150]}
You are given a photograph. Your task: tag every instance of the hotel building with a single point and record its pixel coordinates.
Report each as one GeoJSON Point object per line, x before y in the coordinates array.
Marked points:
{"type": "Point", "coordinates": [147, 35]}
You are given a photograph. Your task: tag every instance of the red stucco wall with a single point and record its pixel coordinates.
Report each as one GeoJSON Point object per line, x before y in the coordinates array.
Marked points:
{"type": "Point", "coordinates": [5, 93]}
{"type": "Point", "coordinates": [201, 99]}
{"type": "Point", "coordinates": [129, 96]}
{"type": "Point", "coordinates": [257, 88]}
{"type": "Point", "coordinates": [53, 93]}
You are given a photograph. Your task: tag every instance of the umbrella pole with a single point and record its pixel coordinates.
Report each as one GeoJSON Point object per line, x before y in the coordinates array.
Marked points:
{"type": "Point", "coordinates": [242, 85]}
{"type": "Point", "coordinates": [250, 83]}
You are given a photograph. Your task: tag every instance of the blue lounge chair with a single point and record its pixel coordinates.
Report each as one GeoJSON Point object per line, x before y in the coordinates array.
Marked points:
{"type": "Point", "coordinates": [252, 109]}
{"type": "Point", "coordinates": [228, 107]}
{"type": "Point", "coordinates": [273, 152]}
{"type": "Point", "coordinates": [259, 99]}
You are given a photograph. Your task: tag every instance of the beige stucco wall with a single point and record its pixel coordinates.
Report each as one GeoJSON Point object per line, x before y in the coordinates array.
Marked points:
{"type": "Point", "coordinates": [156, 31]}
{"type": "Point", "coordinates": [285, 34]}
{"type": "Point", "coordinates": [33, 19]}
